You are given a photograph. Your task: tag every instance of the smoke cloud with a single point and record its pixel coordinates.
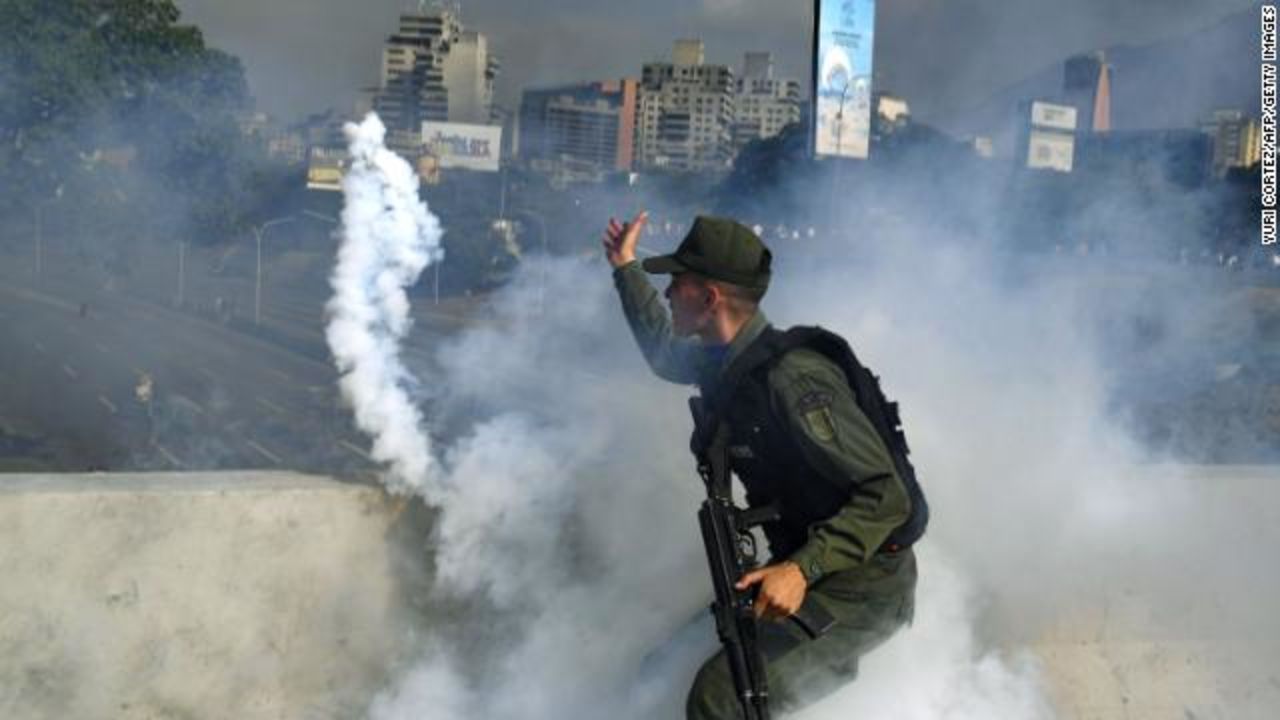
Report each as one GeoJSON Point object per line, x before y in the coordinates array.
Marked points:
{"type": "Point", "coordinates": [569, 514]}
{"type": "Point", "coordinates": [566, 502]}
{"type": "Point", "coordinates": [388, 239]}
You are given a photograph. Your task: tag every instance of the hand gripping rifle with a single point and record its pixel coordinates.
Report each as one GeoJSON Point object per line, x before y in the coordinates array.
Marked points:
{"type": "Point", "coordinates": [731, 552]}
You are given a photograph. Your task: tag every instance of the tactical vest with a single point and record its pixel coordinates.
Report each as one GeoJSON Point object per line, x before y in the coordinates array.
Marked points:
{"type": "Point", "coordinates": [770, 464]}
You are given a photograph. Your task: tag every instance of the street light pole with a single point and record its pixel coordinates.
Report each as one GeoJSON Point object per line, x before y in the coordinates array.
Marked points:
{"type": "Point", "coordinates": [39, 238]}
{"type": "Point", "coordinates": [182, 270]}
{"type": "Point", "coordinates": [257, 280]}
{"type": "Point", "coordinates": [39, 209]}
{"type": "Point", "coordinates": [844, 94]}
{"type": "Point", "coordinates": [502, 193]}
{"type": "Point", "coordinates": [257, 284]}
{"type": "Point", "coordinates": [320, 216]}
{"type": "Point", "coordinates": [542, 234]}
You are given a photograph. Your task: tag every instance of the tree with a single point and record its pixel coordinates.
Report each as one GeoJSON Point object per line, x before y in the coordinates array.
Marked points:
{"type": "Point", "coordinates": [79, 75]}
{"type": "Point", "coordinates": [767, 174]}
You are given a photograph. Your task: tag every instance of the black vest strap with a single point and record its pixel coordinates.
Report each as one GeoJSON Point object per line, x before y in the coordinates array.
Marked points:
{"type": "Point", "coordinates": [765, 350]}
{"type": "Point", "coordinates": [883, 414]}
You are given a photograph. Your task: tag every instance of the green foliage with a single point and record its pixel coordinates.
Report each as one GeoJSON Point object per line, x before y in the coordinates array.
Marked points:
{"type": "Point", "coordinates": [476, 256]}
{"type": "Point", "coordinates": [767, 164]}
{"type": "Point", "coordinates": [80, 75]}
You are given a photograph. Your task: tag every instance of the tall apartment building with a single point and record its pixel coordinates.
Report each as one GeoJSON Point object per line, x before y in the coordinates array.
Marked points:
{"type": "Point", "coordinates": [435, 69]}
{"type": "Point", "coordinates": [579, 131]}
{"type": "Point", "coordinates": [1086, 86]}
{"type": "Point", "coordinates": [686, 113]}
{"type": "Point", "coordinates": [764, 104]}
{"type": "Point", "coordinates": [1236, 140]}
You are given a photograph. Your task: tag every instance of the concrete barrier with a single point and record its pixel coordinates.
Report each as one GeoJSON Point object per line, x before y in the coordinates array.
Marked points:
{"type": "Point", "coordinates": [277, 595]}
{"type": "Point", "coordinates": [1187, 627]}
{"type": "Point", "coordinates": [218, 595]}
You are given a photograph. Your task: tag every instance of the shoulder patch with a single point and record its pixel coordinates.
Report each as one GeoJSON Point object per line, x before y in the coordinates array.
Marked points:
{"type": "Point", "coordinates": [814, 407]}
{"type": "Point", "coordinates": [821, 424]}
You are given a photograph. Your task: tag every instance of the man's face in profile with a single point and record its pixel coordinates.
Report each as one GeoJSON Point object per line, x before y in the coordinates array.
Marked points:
{"type": "Point", "coordinates": [689, 299]}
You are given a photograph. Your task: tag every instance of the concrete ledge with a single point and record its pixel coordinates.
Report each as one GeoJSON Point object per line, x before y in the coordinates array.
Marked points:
{"type": "Point", "coordinates": [1189, 630]}
{"type": "Point", "coordinates": [245, 595]}
{"type": "Point", "coordinates": [277, 595]}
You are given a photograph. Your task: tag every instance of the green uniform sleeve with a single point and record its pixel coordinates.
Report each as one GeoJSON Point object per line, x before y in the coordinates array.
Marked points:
{"type": "Point", "coordinates": [812, 396]}
{"type": "Point", "coordinates": [671, 358]}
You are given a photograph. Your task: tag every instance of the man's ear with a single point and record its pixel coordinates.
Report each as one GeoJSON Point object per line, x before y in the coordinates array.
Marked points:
{"type": "Point", "coordinates": [713, 294]}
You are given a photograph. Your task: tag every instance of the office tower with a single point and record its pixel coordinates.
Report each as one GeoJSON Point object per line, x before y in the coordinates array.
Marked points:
{"type": "Point", "coordinates": [579, 131]}
{"type": "Point", "coordinates": [686, 113]}
{"type": "Point", "coordinates": [435, 69]}
{"type": "Point", "coordinates": [764, 104]}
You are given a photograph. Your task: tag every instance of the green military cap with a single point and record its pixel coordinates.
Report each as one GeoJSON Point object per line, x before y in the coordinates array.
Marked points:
{"type": "Point", "coordinates": [721, 249]}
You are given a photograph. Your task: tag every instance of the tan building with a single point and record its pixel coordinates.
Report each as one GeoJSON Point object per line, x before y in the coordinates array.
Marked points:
{"type": "Point", "coordinates": [1236, 140]}
{"type": "Point", "coordinates": [686, 113]}
{"type": "Point", "coordinates": [579, 132]}
{"type": "Point", "coordinates": [764, 104]}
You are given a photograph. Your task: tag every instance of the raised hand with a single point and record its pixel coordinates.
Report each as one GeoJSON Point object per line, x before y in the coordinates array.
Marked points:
{"type": "Point", "coordinates": [620, 239]}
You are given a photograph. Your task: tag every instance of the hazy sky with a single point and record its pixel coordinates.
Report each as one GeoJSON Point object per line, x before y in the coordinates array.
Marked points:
{"type": "Point", "coordinates": [942, 55]}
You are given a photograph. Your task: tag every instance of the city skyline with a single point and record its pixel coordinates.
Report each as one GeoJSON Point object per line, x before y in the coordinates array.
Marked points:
{"type": "Point", "coordinates": [302, 57]}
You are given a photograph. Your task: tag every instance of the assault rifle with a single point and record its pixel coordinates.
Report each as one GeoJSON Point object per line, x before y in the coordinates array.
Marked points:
{"type": "Point", "coordinates": [731, 553]}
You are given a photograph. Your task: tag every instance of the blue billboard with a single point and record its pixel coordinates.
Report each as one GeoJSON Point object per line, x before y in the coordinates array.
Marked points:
{"type": "Point", "coordinates": [845, 31]}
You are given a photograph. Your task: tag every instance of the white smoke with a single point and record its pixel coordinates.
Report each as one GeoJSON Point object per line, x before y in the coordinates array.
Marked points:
{"type": "Point", "coordinates": [566, 518]}
{"type": "Point", "coordinates": [517, 494]}
{"type": "Point", "coordinates": [548, 514]}
{"type": "Point", "coordinates": [568, 514]}
{"type": "Point", "coordinates": [570, 511]}
{"type": "Point", "coordinates": [937, 668]}
{"type": "Point", "coordinates": [388, 238]}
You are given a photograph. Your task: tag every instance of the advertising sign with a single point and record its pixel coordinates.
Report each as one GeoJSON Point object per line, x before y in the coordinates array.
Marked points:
{"type": "Point", "coordinates": [325, 168]}
{"type": "Point", "coordinates": [1057, 117]}
{"type": "Point", "coordinates": [845, 30]}
{"type": "Point", "coordinates": [458, 145]}
{"type": "Point", "coordinates": [1051, 151]}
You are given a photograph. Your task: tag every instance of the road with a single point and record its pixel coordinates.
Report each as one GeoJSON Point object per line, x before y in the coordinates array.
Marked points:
{"type": "Point", "coordinates": [223, 392]}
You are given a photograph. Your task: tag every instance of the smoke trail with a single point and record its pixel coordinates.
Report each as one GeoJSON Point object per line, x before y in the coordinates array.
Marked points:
{"type": "Point", "coordinates": [566, 510]}
{"type": "Point", "coordinates": [549, 511]}
{"type": "Point", "coordinates": [540, 521]}
{"type": "Point", "coordinates": [543, 531]}
{"type": "Point", "coordinates": [388, 238]}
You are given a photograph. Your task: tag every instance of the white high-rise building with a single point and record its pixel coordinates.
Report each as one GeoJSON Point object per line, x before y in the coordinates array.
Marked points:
{"type": "Point", "coordinates": [764, 104]}
{"type": "Point", "coordinates": [469, 71]}
{"type": "Point", "coordinates": [434, 69]}
{"type": "Point", "coordinates": [686, 113]}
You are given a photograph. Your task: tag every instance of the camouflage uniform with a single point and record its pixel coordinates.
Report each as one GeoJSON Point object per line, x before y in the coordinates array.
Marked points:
{"type": "Point", "coordinates": [867, 584]}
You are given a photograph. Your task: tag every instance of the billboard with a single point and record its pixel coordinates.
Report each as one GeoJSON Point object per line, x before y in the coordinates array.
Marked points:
{"type": "Point", "coordinates": [1057, 117]}
{"type": "Point", "coordinates": [844, 33]}
{"type": "Point", "coordinates": [325, 168]}
{"type": "Point", "coordinates": [458, 145]}
{"type": "Point", "coordinates": [1051, 151]}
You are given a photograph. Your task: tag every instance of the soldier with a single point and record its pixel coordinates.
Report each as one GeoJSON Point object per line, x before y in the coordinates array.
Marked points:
{"type": "Point", "coordinates": [799, 439]}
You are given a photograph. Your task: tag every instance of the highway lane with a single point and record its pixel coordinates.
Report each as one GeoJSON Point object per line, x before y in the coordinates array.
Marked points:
{"type": "Point", "coordinates": [79, 345]}
{"type": "Point", "coordinates": [217, 398]}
